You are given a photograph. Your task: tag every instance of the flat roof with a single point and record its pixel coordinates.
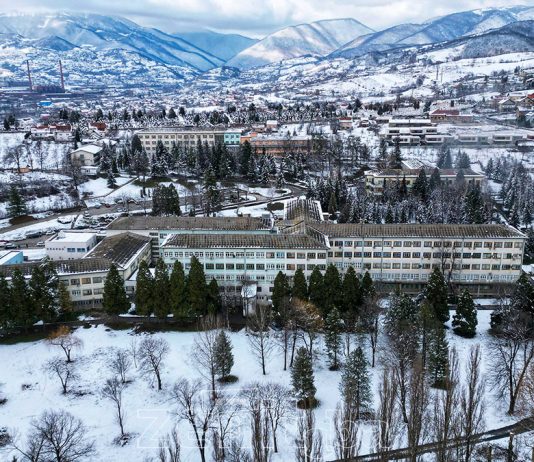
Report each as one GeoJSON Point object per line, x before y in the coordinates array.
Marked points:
{"type": "Point", "coordinates": [419, 231]}
{"type": "Point", "coordinates": [8, 255]}
{"type": "Point", "coordinates": [72, 236]}
{"type": "Point", "coordinates": [192, 223]}
{"type": "Point", "coordinates": [180, 130]}
{"type": "Point", "coordinates": [92, 148]}
{"type": "Point", "coordinates": [243, 241]}
{"type": "Point", "coordinates": [63, 267]}
{"type": "Point", "coordinates": [119, 249]}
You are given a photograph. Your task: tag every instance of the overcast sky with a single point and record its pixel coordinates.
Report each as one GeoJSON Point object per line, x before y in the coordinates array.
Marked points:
{"type": "Point", "coordinates": [257, 17]}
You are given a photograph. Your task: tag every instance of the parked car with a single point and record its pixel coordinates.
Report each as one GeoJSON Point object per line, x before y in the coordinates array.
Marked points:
{"type": "Point", "coordinates": [40, 244]}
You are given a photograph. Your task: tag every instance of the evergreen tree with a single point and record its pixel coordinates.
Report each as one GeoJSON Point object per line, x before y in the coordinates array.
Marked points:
{"type": "Point", "coordinates": [300, 287]}
{"type": "Point", "coordinates": [436, 294]}
{"type": "Point", "coordinates": [464, 322]}
{"type": "Point", "coordinates": [21, 301]}
{"type": "Point", "coordinates": [16, 206]}
{"type": "Point", "coordinates": [396, 159]}
{"type": "Point", "coordinates": [332, 290]}
{"type": "Point", "coordinates": [6, 306]}
{"type": "Point", "coordinates": [316, 287]}
{"type": "Point", "coordinates": [355, 384]}
{"type": "Point", "coordinates": [44, 291]}
{"type": "Point", "coordinates": [444, 158]}
{"type": "Point", "coordinates": [351, 294]}
{"type": "Point", "coordinates": [178, 291]}
{"type": "Point", "coordinates": [435, 180]}
{"type": "Point", "coordinates": [114, 300]}
{"type": "Point", "coordinates": [214, 297]}
{"type": "Point", "coordinates": [111, 181]}
{"type": "Point", "coordinates": [522, 298]}
{"type": "Point", "coordinates": [212, 194]}
{"type": "Point", "coordinates": [161, 290]}
{"type": "Point", "coordinates": [159, 164]}
{"type": "Point", "coordinates": [438, 357]}
{"type": "Point", "coordinates": [245, 155]}
{"type": "Point", "coordinates": [223, 356]}
{"type": "Point", "coordinates": [474, 206]}
{"type": "Point", "coordinates": [136, 145]}
{"type": "Point", "coordinates": [64, 301]}
{"type": "Point", "coordinates": [144, 290]}
{"type": "Point", "coordinates": [172, 114]}
{"type": "Point", "coordinates": [420, 185]}
{"type": "Point", "coordinates": [196, 288]}
{"type": "Point", "coordinates": [367, 286]}
{"type": "Point", "coordinates": [332, 337]}
{"type": "Point", "coordinates": [281, 291]}
{"type": "Point", "coordinates": [462, 160]}
{"type": "Point", "coordinates": [302, 378]}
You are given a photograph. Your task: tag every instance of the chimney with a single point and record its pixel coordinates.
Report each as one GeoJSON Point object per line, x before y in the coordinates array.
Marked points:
{"type": "Point", "coordinates": [29, 74]}
{"type": "Point", "coordinates": [61, 74]}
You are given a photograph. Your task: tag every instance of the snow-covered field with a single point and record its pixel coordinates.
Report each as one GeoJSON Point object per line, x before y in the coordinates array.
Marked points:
{"type": "Point", "coordinates": [150, 414]}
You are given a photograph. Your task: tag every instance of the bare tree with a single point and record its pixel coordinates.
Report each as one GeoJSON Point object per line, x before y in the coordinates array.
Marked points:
{"type": "Point", "coordinates": [346, 441]}
{"type": "Point", "coordinates": [371, 320]}
{"type": "Point", "coordinates": [63, 370]}
{"type": "Point", "coordinates": [197, 408]}
{"type": "Point", "coordinates": [15, 155]}
{"type": "Point", "coordinates": [61, 437]}
{"type": "Point", "coordinates": [285, 318]}
{"type": "Point", "coordinates": [169, 448]}
{"type": "Point", "coordinates": [134, 350]}
{"type": "Point", "coordinates": [152, 353]}
{"type": "Point", "coordinates": [203, 353]}
{"type": "Point", "coordinates": [309, 442]}
{"type": "Point", "coordinates": [63, 338]}
{"type": "Point", "coordinates": [417, 410]}
{"type": "Point", "coordinates": [446, 419]}
{"type": "Point", "coordinates": [512, 351]}
{"type": "Point", "coordinates": [223, 428]}
{"type": "Point", "coordinates": [120, 363]}
{"type": "Point", "coordinates": [309, 322]}
{"type": "Point", "coordinates": [40, 152]}
{"type": "Point", "coordinates": [277, 399]}
{"type": "Point", "coordinates": [34, 449]}
{"type": "Point", "coordinates": [472, 405]}
{"type": "Point", "coordinates": [112, 390]}
{"type": "Point", "coordinates": [260, 336]}
{"type": "Point", "coordinates": [259, 422]}
{"type": "Point", "coordinates": [236, 452]}
{"type": "Point", "coordinates": [388, 419]}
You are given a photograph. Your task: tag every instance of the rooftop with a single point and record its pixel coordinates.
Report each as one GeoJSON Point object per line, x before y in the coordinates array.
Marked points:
{"type": "Point", "coordinates": [415, 171]}
{"type": "Point", "coordinates": [241, 241]}
{"type": "Point", "coordinates": [180, 130]}
{"type": "Point", "coordinates": [120, 249]}
{"type": "Point", "coordinates": [77, 266]}
{"type": "Point", "coordinates": [192, 223]}
{"type": "Point", "coordinates": [72, 236]}
{"type": "Point", "coordinates": [8, 255]}
{"type": "Point", "coordinates": [421, 231]}
{"type": "Point", "coordinates": [92, 148]}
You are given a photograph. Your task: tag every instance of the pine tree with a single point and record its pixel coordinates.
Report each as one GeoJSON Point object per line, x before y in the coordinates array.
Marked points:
{"type": "Point", "coordinates": [281, 291]}
{"type": "Point", "coordinates": [396, 159]}
{"type": "Point", "coordinates": [212, 194]}
{"type": "Point", "coordinates": [420, 185]}
{"type": "Point", "coordinates": [114, 300]}
{"type": "Point", "coordinates": [178, 291]}
{"type": "Point", "coordinates": [464, 322]}
{"type": "Point", "coordinates": [65, 303]}
{"type": "Point", "coordinates": [161, 290]}
{"type": "Point", "coordinates": [144, 290]}
{"type": "Point", "coordinates": [522, 298]}
{"type": "Point", "coordinates": [332, 337]}
{"type": "Point", "coordinates": [223, 356]}
{"type": "Point", "coordinates": [351, 294]}
{"type": "Point", "coordinates": [6, 307]}
{"type": "Point", "coordinates": [435, 180]}
{"type": "Point", "coordinates": [302, 378]}
{"type": "Point", "coordinates": [111, 181]}
{"type": "Point", "coordinates": [355, 384]}
{"type": "Point", "coordinates": [16, 206]}
{"type": "Point", "coordinates": [316, 287]}
{"type": "Point", "coordinates": [245, 155]}
{"type": "Point", "coordinates": [214, 297]}
{"type": "Point", "coordinates": [300, 287]}
{"type": "Point", "coordinates": [332, 290]}
{"type": "Point", "coordinates": [436, 294]}
{"type": "Point", "coordinates": [438, 357]}
{"type": "Point", "coordinates": [21, 301]}
{"type": "Point", "coordinates": [196, 288]}
{"type": "Point", "coordinates": [367, 286]}
{"type": "Point", "coordinates": [474, 206]}
{"type": "Point", "coordinates": [44, 291]}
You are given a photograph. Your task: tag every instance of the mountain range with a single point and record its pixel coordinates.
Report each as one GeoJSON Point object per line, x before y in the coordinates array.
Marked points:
{"type": "Point", "coordinates": [94, 45]}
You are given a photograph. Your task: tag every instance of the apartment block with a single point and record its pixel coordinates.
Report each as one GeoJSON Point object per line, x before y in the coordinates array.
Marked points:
{"type": "Point", "coordinates": [184, 137]}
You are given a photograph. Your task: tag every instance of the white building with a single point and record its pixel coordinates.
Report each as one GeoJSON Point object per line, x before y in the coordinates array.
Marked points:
{"type": "Point", "coordinates": [87, 155]}
{"type": "Point", "coordinates": [70, 245]}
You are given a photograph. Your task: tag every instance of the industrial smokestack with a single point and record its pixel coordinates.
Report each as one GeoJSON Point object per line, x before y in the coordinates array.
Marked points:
{"type": "Point", "coordinates": [29, 74]}
{"type": "Point", "coordinates": [61, 74]}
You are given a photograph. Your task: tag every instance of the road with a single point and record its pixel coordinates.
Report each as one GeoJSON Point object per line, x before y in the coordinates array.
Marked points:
{"type": "Point", "coordinates": [522, 426]}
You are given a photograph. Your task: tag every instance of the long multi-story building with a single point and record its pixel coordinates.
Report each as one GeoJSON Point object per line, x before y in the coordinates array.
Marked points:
{"type": "Point", "coordinates": [376, 181]}
{"type": "Point", "coordinates": [182, 136]}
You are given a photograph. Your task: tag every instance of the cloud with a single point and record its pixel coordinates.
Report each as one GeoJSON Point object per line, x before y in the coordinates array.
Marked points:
{"type": "Point", "coordinates": [256, 17]}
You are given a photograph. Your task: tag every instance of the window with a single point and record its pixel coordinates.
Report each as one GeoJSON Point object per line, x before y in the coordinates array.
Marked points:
{"type": "Point", "coordinates": [396, 254]}
{"type": "Point", "coordinates": [406, 255]}
{"type": "Point", "coordinates": [87, 292]}
{"type": "Point", "coordinates": [230, 266]}
{"type": "Point", "coordinates": [260, 266]}
{"type": "Point", "coordinates": [209, 266]}
{"type": "Point", "coordinates": [74, 282]}
{"type": "Point", "coordinates": [76, 292]}
{"type": "Point", "coordinates": [311, 256]}
{"type": "Point", "coordinates": [377, 254]}
{"type": "Point", "coordinates": [301, 256]}
{"type": "Point", "coordinates": [290, 255]}
{"type": "Point", "coordinates": [86, 280]}
{"type": "Point", "coordinates": [250, 266]}
{"type": "Point", "coordinates": [219, 266]}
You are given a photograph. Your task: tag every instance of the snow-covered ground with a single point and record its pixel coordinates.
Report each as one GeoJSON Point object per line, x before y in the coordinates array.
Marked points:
{"type": "Point", "coordinates": [150, 414]}
{"type": "Point", "coordinates": [44, 226]}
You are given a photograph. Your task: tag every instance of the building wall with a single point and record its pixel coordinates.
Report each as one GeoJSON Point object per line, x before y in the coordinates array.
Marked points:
{"type": "Point", "coordinates": [68, 249]}
{"type": "Point", "coordinates": [184, 138]}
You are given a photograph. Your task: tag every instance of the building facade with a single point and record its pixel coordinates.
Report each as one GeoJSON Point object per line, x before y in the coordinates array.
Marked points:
{"type": "Point", "coordinates": [183, 137]}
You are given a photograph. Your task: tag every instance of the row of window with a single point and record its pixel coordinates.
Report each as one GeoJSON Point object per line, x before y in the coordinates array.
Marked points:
{"type": "Point", "coordinates": [233, 255]}
{"type": "Point", "coordinates": [86, 292]}
{"type": "Point", "coordinates": [467, 244]}
{"type": "Point", "coordinates": [78, 281]}
{"type": "Point", "coordinates": [440, 255]}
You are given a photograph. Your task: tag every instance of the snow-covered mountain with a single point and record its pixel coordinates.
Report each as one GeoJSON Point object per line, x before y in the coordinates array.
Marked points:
{"type": "Point", "coordinates": [106, 33]}
{"type": "Point", "coordinates": [224, 46]}
{"type": "Point", "coordinates": [316, 39]}
{"type": "Point", "coordinates": [436, 30]}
